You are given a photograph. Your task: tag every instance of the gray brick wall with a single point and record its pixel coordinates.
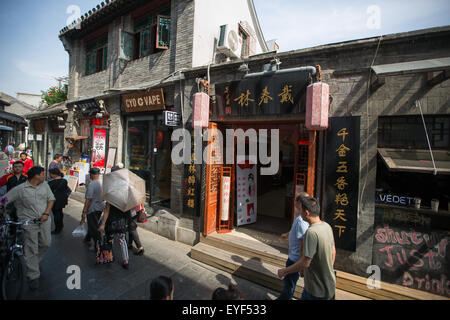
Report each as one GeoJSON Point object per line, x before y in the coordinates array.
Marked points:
{"type": "Point", "coordinates": [121, 73]}
{"type": "Point", "coordinates": [346, 70]}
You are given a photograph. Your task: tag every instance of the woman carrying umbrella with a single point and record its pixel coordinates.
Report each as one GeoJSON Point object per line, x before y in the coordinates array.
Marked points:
{"type": "Point", "coordinates": [115, 224]}
{"type": "Point", "coordinates": [122, 190]}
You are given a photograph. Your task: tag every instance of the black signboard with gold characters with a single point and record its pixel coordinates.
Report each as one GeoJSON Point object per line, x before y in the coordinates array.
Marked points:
{"type": "Point", "coordinates": [276, 94]}
{"type": "Point", "coordinates": [192, 183]}
{"type": "Point", "coordinates": [342, 180]}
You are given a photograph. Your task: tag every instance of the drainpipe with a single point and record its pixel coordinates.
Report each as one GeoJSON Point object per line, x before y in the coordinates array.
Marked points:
{"type": "Point", "coordinates": [311, 70]}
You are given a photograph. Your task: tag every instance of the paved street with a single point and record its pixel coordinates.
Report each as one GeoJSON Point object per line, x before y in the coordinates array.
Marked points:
{"type": "Point", "coordinates": [192, 279]}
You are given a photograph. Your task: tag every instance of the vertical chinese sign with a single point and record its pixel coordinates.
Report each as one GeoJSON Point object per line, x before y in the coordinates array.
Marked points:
{"type": "Point", "coordinates": [99, 146]}
{"type": "Point", "coordinates": [342, 180]}
{"type": "Point", "coordinates": [191, 183]}
{"type": "Point", "coordinates": [225, 199]}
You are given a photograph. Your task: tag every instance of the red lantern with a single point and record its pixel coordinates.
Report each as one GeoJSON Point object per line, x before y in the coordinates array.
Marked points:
{"type": "Point", "coordinates": [317, 104]}
{"type": "Point", "coordinates": [201, 110]}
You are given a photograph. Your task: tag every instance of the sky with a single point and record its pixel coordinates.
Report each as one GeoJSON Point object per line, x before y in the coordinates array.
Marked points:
{"type": "Point", "coordinates": [32, 56]}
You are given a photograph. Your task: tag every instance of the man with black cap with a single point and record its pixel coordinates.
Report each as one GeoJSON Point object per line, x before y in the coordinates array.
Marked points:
{"type": "Point", "coordinates": [93, 206]}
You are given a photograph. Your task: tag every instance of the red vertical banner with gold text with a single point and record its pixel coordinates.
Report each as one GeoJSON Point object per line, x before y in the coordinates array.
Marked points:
{"type": "Point", "coordinates": [99, 148]}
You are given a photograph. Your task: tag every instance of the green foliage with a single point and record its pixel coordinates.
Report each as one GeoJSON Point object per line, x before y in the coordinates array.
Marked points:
{"type": "Point", "coordinates": [54, 95]}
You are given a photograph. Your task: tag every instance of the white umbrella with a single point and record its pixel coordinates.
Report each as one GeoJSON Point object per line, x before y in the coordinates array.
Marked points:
{"type": "Point", "coordinates": [123, 189]}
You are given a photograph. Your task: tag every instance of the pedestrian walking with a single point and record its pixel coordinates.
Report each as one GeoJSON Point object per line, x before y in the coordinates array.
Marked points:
{"type": "Point", "coordinates": [133, 235]}
{"type": "Point", "coordinates": [34, 199]}
{"type": "Point", "coordinates": [61, 191]}
{"type": "Point", "coordinates": [14, 179]}
{"type": "Point", "coordinates": [115, 226]}
{"type": "Point", "coordinates": [295, 236]}
{"type": "Point", "coordinates": [93, 207]}
{"type": "Point", "coordinates": [56, 163]}
{"type": "Point", "coordinates": [318, 256]}
{"type": "Point", "coordinates": [27, 162]}
{"type": "Point", "coordinates": [161, 288]}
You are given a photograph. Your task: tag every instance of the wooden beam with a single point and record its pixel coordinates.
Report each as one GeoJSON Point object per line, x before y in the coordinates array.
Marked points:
{"type": "Point", "coordinates": [311, 177]}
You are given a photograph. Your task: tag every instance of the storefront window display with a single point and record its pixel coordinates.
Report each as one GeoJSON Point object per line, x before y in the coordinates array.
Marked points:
{"type": "Point", "coordinates": [147, 153]}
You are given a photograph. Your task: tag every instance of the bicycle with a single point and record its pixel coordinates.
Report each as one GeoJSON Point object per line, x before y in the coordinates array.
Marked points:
{"type": "Point", "coordinates": [12, 263]}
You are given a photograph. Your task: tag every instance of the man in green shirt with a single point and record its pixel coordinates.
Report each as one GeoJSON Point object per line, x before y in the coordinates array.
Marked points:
{"type": "Point", "coordinates": [34, 200]}
{"type": "Point", "coordinates": [319, 252]}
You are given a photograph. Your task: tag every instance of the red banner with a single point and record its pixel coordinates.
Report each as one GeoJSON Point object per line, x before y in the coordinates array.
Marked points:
{"type": "Point", "coordinates": [99, 146]}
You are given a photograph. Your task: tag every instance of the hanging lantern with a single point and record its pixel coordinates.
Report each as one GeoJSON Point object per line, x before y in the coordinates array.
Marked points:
{"type": "Point", "coordinates": [317, 104]}
{"type": "Point", "coordinates": [201, 110]}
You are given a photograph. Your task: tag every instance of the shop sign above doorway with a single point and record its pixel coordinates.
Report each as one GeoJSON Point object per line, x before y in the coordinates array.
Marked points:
{"type": "Point", "coordinates": [144, 101]}
{"type": "Point", "coordinates": [276, 94]}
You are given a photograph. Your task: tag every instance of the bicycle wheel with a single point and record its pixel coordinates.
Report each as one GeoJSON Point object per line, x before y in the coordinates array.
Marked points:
{"type": "Point", "coordinates": [13, 278]}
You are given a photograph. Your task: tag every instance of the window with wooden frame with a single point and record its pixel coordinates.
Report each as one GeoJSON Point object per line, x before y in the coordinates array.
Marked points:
{"type": "Point", "coordinates": [96, 55]}
{"type": "Point", "coordinates": [151, 33]}
{"type": "Point", "coordinates": [245, 42]}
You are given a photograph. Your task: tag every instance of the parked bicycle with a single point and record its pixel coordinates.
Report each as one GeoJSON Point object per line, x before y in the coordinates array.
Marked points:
{"type": "Point", "coordinates": [12, 263]}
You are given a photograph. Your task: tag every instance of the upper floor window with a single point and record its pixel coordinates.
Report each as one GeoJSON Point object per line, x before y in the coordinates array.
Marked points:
{"type": "Point", "coordinates": [151, 33]}
{"type": "Point", "coordinates": [96, 55]}
{"type": "Point", "coordinates": [407, 132]}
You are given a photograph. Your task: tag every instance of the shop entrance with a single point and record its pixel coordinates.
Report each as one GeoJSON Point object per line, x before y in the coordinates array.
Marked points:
{"type": "Point", "coordinates": [147, 154]}
{"type": "Point", "coordinates": [272, 203]}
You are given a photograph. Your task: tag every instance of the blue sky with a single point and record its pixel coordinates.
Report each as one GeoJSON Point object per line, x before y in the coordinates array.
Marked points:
{"type": "Point", "coordinates": [31, 55]}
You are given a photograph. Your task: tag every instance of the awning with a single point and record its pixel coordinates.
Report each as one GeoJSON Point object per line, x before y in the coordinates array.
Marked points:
{"type": "Point", "coordinates": [416, 160]}
{"type": "Point", "coordinates": [6, 128]}
{"type": "Point", "coordinates": [412, 67]}
{"type": "Point", "coordinates": [12, 117]}
{"type": "Point", "coordinates": [75, 138]}
{"type": "Point", "coordinates": [53, 110]}
{"type": "Point", "coordinates": [419, 66]}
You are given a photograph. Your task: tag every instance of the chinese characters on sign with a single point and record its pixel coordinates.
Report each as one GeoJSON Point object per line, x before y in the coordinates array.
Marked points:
{"type": "Point", "coordinates": [99, 146]}
{"type": "Point", "coordinates": [191, 183]}
{"type": "Point", "coordinates": [225, 199]}
{"type": "Point", "coordinates": [276, 94]}
{"type": "Point", "coordinates": [246, 174]}
{"type": "Point", "coordinates": [342, 180]}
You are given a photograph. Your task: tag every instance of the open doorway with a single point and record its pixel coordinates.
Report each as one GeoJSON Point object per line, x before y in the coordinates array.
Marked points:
{"type": "Point", "coordinates": [275, 193]}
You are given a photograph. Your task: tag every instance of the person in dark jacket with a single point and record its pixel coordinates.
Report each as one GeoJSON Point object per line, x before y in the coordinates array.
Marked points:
{"type": "Point", "coordinates": [61, 191]}
{"type": "Point", "coordinates": [16, 178]}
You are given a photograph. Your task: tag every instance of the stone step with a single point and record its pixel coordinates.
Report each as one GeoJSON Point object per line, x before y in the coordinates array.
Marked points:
{"type": "Point", "coordinates": [248, 249]}
{"type": "Point", "coordinates": [252, 269]}
{"type": "Point", "coordinates": [245, 246]}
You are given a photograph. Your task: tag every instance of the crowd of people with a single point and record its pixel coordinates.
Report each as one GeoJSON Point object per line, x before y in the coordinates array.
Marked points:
{"type": "Point", "coordinates": [311, 243]}
{"type": "Point", "coordinates": [29, 196]}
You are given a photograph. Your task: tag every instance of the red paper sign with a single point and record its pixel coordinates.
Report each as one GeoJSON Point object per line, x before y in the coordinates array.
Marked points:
{"type": "Point", "coordinates": [99, 146]}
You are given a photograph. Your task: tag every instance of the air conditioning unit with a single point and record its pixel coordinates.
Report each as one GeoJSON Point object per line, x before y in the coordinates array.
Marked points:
{"type": "Point", "coordinates": [230, 43]}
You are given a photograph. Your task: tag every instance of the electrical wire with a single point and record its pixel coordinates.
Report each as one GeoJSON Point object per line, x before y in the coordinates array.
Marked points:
{"type": "Point", "coordinates": [368, 123]}
{"type": "Point", "coordinates": [426, 133]}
